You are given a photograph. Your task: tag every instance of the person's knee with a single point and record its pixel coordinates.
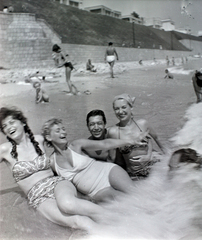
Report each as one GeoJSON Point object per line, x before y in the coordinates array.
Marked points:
{"type": "Point", "coordinates": [67, 205]}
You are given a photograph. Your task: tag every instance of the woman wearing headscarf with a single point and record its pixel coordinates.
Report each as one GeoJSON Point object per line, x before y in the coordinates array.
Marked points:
{"type": "Point", "coordinates": [137, 157]}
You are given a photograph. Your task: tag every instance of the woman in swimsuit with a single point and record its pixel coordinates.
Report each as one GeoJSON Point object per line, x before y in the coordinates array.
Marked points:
{"type": "Point", "coordinates": [110, 54]}
{"type": "Point", "coordinates": [60, 60]}
{"type": "Point", "coordinates": [99, 180]}
{"type": "Point", "coordinates": [136, 157]}
{"type": "Point", "coordinates": [53, 196]}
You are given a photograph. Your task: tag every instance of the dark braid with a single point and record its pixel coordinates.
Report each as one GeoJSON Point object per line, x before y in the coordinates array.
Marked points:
{"type": "Point", "coordinates": [32, 139]}
{"type": "Point", "coordinates": [14, 153]}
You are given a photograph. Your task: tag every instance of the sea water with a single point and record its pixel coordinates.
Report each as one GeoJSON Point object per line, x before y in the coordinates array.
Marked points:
{"type": "Point", "coordinates": [166, 205]}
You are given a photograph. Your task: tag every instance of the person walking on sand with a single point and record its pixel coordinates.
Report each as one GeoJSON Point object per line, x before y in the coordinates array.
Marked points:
{"type": "Point", "coordinates": [60, 60]}
{"type": "Point", "coordinates": [110, 57]}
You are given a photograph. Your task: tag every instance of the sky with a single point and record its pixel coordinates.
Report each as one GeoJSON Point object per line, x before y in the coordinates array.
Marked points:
{"type": "Point", "coordinates": [184, 13]}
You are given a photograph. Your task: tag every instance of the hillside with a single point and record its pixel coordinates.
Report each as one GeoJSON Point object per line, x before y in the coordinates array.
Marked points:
{"type": "Point", "coordinates": [81, 27]}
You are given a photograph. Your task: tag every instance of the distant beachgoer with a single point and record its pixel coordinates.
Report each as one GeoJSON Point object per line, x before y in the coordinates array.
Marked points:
{"type": "Point", "coordinates": [90, 67]}
{"type": "Point", "coordinates": [96, 123]}
{"type": "Point", "coordinates": [186, 59]}
{"type": "Point", "coordinates": [167, 61]}
{"type": "Point", "coordinates": [182, 60]}
{"type": "Point", "coordinates": [5, 9]}
{"type": "Point", "coordinates": [140, 62]}
{"type": "Point", "coordinates": [197, 84]}
{"type": "Point", "coordinates": [41, 95]}
{"type": "Point", "coordinates": [110, 55]}
{"type": "Point", "coordinates": [60, 59]}
{"type": "Point", "coordinates": [173, 61]}
{"type": "Point", "coordinates": [168, 74]}
{"type": "Point", "coordinates": [10, 9]}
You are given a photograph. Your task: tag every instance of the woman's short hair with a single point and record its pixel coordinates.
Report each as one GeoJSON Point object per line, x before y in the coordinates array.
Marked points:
{"type": "Point", "coordinates": [96, 112]}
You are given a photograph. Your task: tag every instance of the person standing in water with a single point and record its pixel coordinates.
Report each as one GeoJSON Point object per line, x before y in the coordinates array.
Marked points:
{"type": "Point", "coordinates": [110, 57]}
{"type": "Point", "coordinates": [60, 60]}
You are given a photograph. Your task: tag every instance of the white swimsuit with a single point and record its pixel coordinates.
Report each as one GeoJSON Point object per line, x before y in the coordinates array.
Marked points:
{"type": "Point", "coordinates": [88, 175]}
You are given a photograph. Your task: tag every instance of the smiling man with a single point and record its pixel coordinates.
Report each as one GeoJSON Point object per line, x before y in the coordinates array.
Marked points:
{"type": "Point", "coordinates": [96, 123]}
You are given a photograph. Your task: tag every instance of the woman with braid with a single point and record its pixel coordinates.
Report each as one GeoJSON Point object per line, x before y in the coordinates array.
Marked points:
{"type": "Point", "coordinates": [52, 196]}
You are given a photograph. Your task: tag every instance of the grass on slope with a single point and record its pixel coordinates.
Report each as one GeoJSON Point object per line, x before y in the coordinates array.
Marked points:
{"type": "Point", "coordinates": [81, 27]}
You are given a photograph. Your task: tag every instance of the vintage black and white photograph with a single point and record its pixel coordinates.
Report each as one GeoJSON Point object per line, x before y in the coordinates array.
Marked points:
{"type": "Point", "coordinates": [100, 119]}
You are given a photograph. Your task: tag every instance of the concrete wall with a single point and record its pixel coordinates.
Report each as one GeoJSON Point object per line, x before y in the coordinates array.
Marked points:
{"type": "Point", "coordinates": [81, 53]}
{"type": "Point", "coordinates": [195, 46]}
{"type": "Point", "coordinates": [26, 42]}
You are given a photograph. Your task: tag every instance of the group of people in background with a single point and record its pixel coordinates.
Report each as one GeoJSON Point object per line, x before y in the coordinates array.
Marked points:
{"type": "Point", "coordinates": [61, 60]}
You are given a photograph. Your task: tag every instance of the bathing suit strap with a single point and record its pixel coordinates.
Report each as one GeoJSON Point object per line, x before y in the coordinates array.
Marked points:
{"type": "Point", "coordinates": [135, 124]}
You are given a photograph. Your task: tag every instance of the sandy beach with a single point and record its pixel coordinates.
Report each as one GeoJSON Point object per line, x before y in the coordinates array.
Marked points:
{"type": "Point", "coordinates": [162, 102]}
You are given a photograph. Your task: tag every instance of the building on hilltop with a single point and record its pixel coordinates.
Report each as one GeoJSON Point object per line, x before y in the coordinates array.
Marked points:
{"type": "Point", "coordinates": [200, 33]}
{"type": "Point", "coordinates": [73, 3]}
{"type": "Point", "coordinates": [167, 25]}
{"type": "Point", "coordinates": [132, 19]}
{"type": "Point", "coordinates": [101, 9]}
{"type": "Point", "coordinates": [153, 22]}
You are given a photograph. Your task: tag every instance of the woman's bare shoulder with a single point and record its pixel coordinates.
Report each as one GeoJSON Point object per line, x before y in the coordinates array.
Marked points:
{"type": "Point", "coordinates": [39, 138]}
{"type": "Point", "coordinates": [5, 148]}
{"type": "Point", "coordinates": [111, 131]}
{"type": "Point", "coordinates": [142, 123]}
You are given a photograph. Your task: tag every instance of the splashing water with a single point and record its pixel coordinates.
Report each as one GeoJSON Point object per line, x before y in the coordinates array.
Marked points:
{"type": "Point", "coordinates": [167, 205]}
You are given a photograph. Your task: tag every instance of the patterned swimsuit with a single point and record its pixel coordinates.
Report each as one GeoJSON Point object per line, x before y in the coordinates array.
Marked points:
{"type": "Point", "coordinates": [42, 190]}
{"type": "Point", "coordinates": [136, 168]}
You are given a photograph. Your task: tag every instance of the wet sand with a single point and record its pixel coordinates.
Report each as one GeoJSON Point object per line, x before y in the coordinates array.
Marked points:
{"type": "Point", "coordinates": [161, 101]}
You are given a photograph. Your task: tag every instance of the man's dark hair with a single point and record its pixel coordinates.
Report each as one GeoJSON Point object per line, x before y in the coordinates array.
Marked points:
{"type": "Point", "coordinates": [96, 112]}
{"type": "Point", "coordinates": [110, 43]}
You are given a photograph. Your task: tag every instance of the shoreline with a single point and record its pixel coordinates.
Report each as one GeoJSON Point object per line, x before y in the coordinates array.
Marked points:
{"type": "Point", "coordinates": [162, 102]}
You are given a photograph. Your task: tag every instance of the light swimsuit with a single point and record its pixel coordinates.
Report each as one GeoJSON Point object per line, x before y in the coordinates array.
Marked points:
{"type": "Point", "coordinates": [136, 168]}
{"type": "Point", "coordinates": [88, 175]}
{"type": "Point", "coordinates": [43, 189]}
{"type": "Point", "coordinates": [110, 58]}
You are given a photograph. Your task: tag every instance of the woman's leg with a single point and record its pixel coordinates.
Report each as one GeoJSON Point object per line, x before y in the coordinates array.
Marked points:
{"type": "Point", "coordinates": [111, 69]}
{"type": "Point", "coordinates": [50, 211]}
{"type": "Point", "coordinates": [68, 75]}
{"type": "Point", "coordinates": [67, 201]}
{"type": "Point", "coordinates": [120, 180]}
{"type": "Point", "coordinates": [75, 88]}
